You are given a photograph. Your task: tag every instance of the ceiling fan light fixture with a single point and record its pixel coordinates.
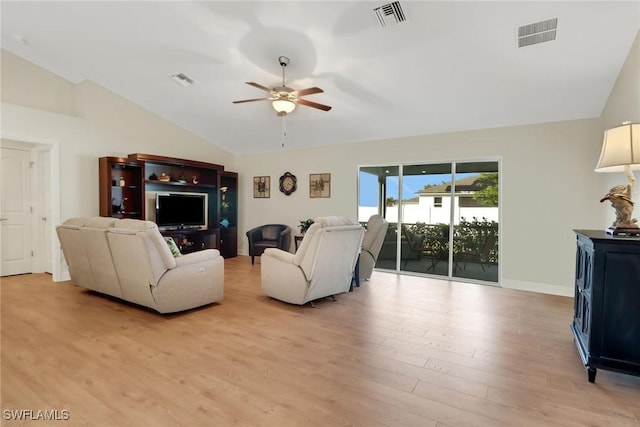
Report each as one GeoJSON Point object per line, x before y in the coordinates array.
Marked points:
{"type": "Point", "coordinates": [283, 106]}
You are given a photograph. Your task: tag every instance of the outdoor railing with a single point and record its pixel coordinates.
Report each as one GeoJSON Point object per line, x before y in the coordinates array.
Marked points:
{"type": "Point", "coordinates": [477, 237]}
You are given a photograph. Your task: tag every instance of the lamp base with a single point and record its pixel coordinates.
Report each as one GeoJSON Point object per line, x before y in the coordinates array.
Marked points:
{"type": "Point", "coordinates": [623, 231]}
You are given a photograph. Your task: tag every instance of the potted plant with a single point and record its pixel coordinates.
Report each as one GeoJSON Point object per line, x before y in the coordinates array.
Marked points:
{"type": "Point", "coordinates": [305, 224]}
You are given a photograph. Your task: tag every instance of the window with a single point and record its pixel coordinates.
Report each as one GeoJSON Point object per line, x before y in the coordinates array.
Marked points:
{"type": "Point", "coordinates": [437, 202]}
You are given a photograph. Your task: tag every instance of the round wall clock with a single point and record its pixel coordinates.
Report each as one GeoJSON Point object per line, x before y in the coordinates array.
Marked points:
{"type": "Point", "coordinates": [288, 183]}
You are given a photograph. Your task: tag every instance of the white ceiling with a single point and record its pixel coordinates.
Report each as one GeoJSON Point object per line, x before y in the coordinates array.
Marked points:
{"type": "Point", "coordinates": [451, 66]}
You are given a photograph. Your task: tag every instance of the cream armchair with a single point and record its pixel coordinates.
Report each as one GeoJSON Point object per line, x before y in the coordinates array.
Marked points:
{"type": "Point", "coordinates": [371, 245]}
{"type": "Point", "coordinates": [129, 259]}
{"type": "Point", "coordinates": [322, 266]}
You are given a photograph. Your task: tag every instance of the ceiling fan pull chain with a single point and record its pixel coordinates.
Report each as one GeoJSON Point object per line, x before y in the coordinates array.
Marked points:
{"type": "Point", "coordinates": [284, 129]}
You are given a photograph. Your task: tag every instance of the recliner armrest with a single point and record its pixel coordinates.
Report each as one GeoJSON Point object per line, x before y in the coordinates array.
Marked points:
{"type": "Point", "coordinates": [279, 255]}
{"type": "Point", "coordinates": [195, 257]}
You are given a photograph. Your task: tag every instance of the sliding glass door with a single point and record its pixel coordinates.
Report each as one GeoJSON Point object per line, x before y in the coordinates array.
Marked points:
{"type": "Point", "coordinates": [443, 217]}
{"type": "Point", "coordinates": [426, 220]}
{"type": "Point", "coordinates": [475, 230]}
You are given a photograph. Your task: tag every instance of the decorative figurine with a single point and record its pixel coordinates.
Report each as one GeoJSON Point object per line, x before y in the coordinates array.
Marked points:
{"type": "Point", "coordinates": [620, 198]}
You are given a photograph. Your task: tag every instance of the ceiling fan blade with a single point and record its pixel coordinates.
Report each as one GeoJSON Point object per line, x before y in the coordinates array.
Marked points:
{"type": "Point", "coordinates": [259, 86]}
{"type": "Point", "coordinates": [308, 91]}
{"type": "Point", "coordinates": [251, 100]}
{"type": "Point", "coordinates": [313, 104]}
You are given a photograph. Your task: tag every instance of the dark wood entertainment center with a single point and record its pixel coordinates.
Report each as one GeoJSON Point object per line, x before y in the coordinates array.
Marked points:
{"type": "Point", "coordinates": [127, 183]}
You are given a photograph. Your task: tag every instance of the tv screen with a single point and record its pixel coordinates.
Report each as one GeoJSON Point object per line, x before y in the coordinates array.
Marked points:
{"type": "Point", "coordinates": [181, 210]}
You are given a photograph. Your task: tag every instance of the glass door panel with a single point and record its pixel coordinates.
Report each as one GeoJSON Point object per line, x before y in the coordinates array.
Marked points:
{"type": "Point", "coordinates": [378, 194]}
{"type": "Point", "coordinates": [475, 230]}
{"type": "Point", "coordinates": [426, 216]}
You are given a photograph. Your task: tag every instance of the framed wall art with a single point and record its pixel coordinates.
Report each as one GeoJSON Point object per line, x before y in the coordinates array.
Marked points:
{"type": "Point", "coordinates": [261, 187]}
{"type": "Point", "coordinates": [319, 185]}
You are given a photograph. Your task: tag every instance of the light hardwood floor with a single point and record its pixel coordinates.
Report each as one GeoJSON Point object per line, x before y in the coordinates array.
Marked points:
{"type": "Point", "coordinates": [398, 351]}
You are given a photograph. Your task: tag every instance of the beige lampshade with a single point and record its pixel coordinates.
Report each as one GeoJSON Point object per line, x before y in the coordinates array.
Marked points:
{"type": "Point", "coordinates": [620, 148]}
{"type": "Point", "coordinates": [283, 106]}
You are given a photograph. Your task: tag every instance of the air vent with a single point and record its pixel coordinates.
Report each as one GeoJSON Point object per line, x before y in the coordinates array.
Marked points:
{"type": "Point", "coordinates": [182, 79]}
{"type": "Point", "coordinates": [538, 32]}
{"type": "Point", "coordinates": [390, 14]}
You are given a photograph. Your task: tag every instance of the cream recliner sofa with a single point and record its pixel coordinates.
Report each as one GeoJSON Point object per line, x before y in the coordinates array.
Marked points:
{"type": "Point", "coordinates": [371, 245]}
{"type": "Point", "coordinates": [129, 259]}
{"type": "Point", "coordinates": [322, 266]}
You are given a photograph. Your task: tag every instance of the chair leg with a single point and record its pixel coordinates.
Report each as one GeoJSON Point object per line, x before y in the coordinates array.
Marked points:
{"type": "Point", "coordinates": [252, 258]}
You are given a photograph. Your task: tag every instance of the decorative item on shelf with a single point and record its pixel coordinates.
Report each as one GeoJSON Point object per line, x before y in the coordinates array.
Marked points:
{"type": "Point", "coordinates": [182, 179]}
{"type": "Point", "coordinates": [621, 153]}
{"type": "Point", "coordinates": [164, 177]}
{"type": "Point", "coordinates": [319, 185]}
{"type": "Point", "coordinates": [224, 223]}
{"type": "Point", "coordinates": [305, 224]}
{"type": "Point", "coordinates": [194, 180]}
{"type": "Point", "coordinates": [121, 182]}
{"type": "Point", "coordinates": [288, 183]}
{"type": "Point", "coordinates": [153, 177]}
{"type": "Point", "coordinates": [224, 203]}
{"type": "Point", "coordinates": [122, 207]}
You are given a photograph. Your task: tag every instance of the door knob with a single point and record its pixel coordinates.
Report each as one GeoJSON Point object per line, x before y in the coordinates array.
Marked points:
{"type": "Point", "coordinates": [4, 219]}
{"type": "Point", "coordinates": [44, 218]}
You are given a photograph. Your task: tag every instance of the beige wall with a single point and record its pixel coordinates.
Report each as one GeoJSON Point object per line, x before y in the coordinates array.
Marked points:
{"type": "Point", "coordinates": [547, 189]}
{"type": "Point", "coordinates": [548, 184]}
{"type": "Point", "coordinates": [624, 101]}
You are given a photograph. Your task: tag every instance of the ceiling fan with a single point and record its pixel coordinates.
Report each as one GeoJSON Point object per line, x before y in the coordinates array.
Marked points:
{"type": "Point", "coordinates": [283, 98]}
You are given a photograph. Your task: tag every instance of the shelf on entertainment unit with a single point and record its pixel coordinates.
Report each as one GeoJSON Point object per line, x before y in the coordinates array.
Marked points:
{"type": "Point", "coordinates": [178, 184]}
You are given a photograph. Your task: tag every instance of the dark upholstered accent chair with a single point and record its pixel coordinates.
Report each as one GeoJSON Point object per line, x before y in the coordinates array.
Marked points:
{"type": "Point", "coordinates": [268, 236]}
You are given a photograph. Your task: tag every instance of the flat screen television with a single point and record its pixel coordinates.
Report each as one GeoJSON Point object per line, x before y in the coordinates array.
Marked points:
{"type": "Point", "coordinates": [175, 211]}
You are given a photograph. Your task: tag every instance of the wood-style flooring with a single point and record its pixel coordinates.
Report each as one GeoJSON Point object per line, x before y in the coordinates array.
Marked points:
{"type": "Point", "coordinates": [398, 351]}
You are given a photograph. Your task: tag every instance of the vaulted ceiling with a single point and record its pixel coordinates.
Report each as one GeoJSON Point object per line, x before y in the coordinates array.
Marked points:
{"type": "Point", "coordinates": [450, 66]}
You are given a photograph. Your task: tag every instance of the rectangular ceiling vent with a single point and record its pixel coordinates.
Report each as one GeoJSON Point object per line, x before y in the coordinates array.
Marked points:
{"type": "Point", "coordinates": [182, 79]}
{"type": "Point", "coordinates": [390, 14]}
{"type": "Point", "coordinates": [538, 32]}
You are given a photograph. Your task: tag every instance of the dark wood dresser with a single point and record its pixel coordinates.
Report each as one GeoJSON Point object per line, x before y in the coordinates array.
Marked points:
{"type": "Point", "coordinates": [606, 322]}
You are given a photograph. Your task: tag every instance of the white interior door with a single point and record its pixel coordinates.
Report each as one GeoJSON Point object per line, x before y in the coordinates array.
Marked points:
{"type": "Point", "coordinates": [15, 212]}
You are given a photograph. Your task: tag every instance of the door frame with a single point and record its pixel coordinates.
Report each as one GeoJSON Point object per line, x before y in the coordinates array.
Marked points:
{"type": "Point", "coordinates": [51, 184]}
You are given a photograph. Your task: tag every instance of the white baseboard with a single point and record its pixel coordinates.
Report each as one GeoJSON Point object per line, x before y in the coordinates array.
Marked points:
{"type": "Point", "coordinates": [544, 288]}
{"type": "Point", "coordinates": [64, 276]}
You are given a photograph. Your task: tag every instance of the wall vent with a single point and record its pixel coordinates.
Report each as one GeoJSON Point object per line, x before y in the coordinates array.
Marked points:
{"type": "Point", "coordinates": [182, 79]}
{"type": "Point", "coordinates": [390, 14]}
{"type": "Point", "coordinates": [538, 32]}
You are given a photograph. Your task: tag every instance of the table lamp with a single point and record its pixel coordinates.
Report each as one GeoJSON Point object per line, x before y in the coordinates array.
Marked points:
{"type": "Point", "coordinates": [621, 153]}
